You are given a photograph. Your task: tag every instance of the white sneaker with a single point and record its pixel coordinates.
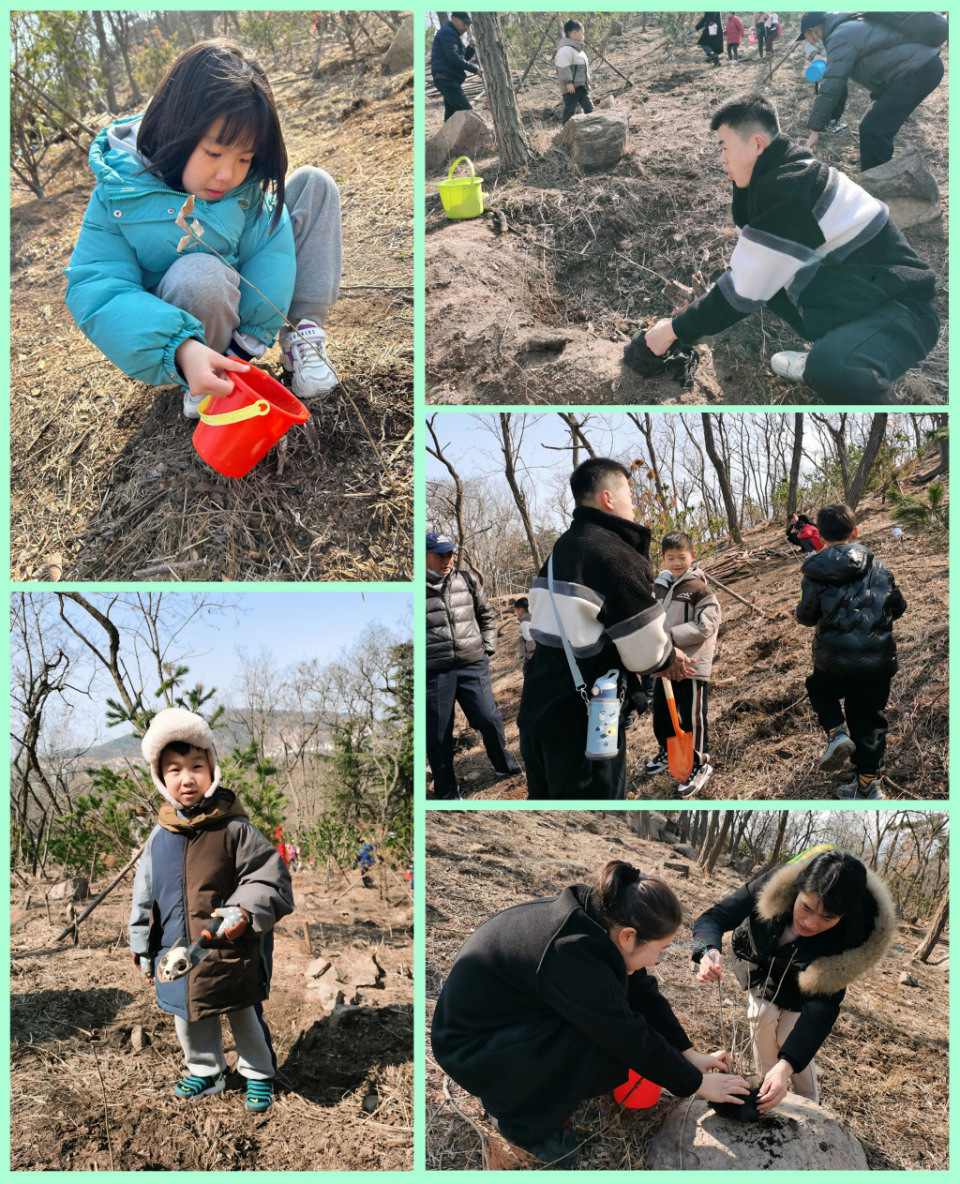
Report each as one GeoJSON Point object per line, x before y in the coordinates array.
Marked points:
{"type": "Point", "coordinates": [191, 405]}
{"type": "Point", "coordinates": [789, 363]}
{"type": "Point", "coordinates": [305, 354]}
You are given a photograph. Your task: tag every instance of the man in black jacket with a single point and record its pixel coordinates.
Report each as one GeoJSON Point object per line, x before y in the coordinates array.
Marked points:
{"type": "Point", "coordinates": [603, 586]}
{"type": "Point", "coordinates": [461, 635]}
{"type": "Point", "coordinates": [852, 600]}
{"type": "Point", "coordinates": [450, 63]}
{"type": "Point", "coordinates": [820, 252]}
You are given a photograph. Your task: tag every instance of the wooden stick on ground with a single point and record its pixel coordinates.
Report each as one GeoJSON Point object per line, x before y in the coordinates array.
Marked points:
{"type": "Point", "coordinates": [546, 29]}
{"type": "Point", "coordinates": [75, 925]}
{"type": "Point", "coordinates": [735, 595]}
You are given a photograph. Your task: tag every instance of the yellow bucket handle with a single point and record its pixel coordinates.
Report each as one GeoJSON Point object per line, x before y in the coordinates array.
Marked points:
{"type": "Point", "coordinates": [456, 162]}
{"type": "Point", "coordinates": [261, 407]}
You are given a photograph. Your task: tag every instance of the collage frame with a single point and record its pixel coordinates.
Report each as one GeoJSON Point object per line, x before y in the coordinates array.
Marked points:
{"type": "Point", "coordinates": [423, 810]}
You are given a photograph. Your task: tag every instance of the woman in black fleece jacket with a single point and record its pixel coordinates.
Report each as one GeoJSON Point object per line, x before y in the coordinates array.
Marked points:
{"type": "Point", "coordinates": [549, 1003]}
{"type": "Point", "coordinates": [801, 934]}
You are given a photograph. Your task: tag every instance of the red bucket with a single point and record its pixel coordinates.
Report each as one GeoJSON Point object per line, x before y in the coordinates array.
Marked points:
{"type": "Point", "coordinates": [637, 1093]}
{"type": "Point", "coordinates": [247, 423]}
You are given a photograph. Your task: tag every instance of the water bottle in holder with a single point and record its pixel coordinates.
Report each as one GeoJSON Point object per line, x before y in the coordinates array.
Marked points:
{"type": "Point", "coordinates": [603, 722]}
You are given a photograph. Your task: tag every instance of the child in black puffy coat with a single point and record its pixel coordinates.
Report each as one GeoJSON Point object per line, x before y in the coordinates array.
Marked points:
{"type": "Point", "coordinates": [852, 600]}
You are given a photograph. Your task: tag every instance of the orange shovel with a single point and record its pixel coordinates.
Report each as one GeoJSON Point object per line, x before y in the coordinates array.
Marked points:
{"type": "Point", "coordinates": [680, 744]}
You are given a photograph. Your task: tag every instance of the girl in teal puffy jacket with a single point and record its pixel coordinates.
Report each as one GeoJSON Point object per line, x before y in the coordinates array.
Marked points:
{"type": "Point", "coordinates": [166, 310]}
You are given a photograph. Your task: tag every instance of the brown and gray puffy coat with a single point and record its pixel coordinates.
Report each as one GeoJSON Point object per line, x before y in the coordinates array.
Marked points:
{"type": "Point", "coordinates": [191, 865]}
{"type": "Point", "coordinates": [692, 615]}
{"type": "Point", "coordinates": [461, 625]}
{"type": "Point", "coordinates": [809, 974]}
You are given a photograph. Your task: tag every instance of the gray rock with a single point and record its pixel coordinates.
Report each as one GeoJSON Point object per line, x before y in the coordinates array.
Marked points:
{"type": "Point", "coordinates": [607, 104]}
{"type": "Point", "coordinates": [400, 54]}
{"type": "Point", "coordinates": [797, 1136]}
{"type": "Point", "coordinates": [318, 967]}
{"type": "Point", "coordinates": [909, 980]}
{"type": "Point", "coordinates": [682, 869]}
{"type": "Point", "coordinates": [138, 1041]}
{"type": "Point", "coordinates": [366, 972]}
{"type": "Point", "coordinates": [686, 851]}
{"type": "Point", "coordinates": [464, 134]}
{"type": "Point", "coordinates": [595, 141]}
{"type": "Point", "coordinates": [325, 994]}
{"type": "Point", "coordinates": [907, 187]}
{"type": "Point", "coordinates": [75, 889]}
{"type": "Point", "coordinates": [591, 827]}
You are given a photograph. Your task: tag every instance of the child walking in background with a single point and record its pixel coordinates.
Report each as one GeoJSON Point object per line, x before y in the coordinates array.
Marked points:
{"type": "Point", "coordinates": [852, 600]}
{"type": "Point", "coordinates": [521, 610]}
{"type": "Point", "coordinates": [574, 71]}
{"type": "Point", "coordinates": [204, 859]}
{"type": "Point", "coordinates": [733, 35]}
{"type": "Point", "coordinates": [692, 619]}
{"type": "Point", "coordinates": [166, 315]}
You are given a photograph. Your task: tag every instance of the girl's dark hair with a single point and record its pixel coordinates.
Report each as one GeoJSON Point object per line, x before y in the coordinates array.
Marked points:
{"type": "Point", "coordinates": [839, 879]}
{"type": "Point", "coordinates": [627, 897]}
{"type": "Point", "coordinates": [213, 80]}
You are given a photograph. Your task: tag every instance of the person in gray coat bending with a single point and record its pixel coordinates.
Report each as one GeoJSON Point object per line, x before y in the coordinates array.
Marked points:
{"type": "Point", "coordinates": [461, 637]}
{"type": "Point", "coordinates": [888, 58]}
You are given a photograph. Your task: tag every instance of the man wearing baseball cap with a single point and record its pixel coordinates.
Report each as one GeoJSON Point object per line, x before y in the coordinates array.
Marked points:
{"type": "Point", "coordinates": [461, 637]}
{"type": "Point", "coordinates": [450, 63]}
{"type": "Point", "coordinates": [884, 53]}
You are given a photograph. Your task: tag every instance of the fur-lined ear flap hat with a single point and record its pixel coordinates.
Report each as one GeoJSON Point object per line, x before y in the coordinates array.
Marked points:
{"type": "Point", "coordinates": [175, 723]}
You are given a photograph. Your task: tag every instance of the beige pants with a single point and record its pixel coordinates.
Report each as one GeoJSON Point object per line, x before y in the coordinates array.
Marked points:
{"type": "Point", "coordinates": [770, 1026]}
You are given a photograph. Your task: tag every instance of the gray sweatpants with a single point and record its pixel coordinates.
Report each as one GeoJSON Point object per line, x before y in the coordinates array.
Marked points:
{"type": "Point", "coordinates": [202, 1044]}
{"type": "Point", "coordinates": [210, 291]}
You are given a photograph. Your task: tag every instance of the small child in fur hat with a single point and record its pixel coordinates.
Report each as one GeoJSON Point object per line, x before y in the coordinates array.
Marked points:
{"type": "Point", "coordinates": [204, 859]}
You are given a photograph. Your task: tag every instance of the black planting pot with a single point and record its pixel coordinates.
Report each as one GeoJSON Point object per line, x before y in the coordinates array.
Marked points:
{"type": "Point", "coordinates": [747, 1112]}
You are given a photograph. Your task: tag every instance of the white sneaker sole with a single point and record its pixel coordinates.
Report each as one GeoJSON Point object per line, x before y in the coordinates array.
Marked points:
{"type": "Point", "coordinates": [834, 756]}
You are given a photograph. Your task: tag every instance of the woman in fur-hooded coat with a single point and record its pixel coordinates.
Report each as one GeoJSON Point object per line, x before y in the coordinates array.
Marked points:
{"type": "Point", "coordinates": [796, 983]}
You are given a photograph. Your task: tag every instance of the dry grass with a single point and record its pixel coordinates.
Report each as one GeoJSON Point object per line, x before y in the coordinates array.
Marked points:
{"type": "Point", "coordinates": [105, 484]}
{"type": "Point", "coordinates": [883, 1070]}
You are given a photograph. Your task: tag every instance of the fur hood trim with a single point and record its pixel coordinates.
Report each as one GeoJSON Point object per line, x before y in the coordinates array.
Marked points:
{"type": "Point", "coordinates": [176, 723]}
{"type": "Point", "coordinates": [827, 975]}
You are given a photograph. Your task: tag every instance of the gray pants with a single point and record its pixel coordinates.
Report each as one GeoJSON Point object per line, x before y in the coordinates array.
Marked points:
{"type": "Point", "coordinates": [210, 291]}
{"type": "Point", "coordinates": [202, 1044]}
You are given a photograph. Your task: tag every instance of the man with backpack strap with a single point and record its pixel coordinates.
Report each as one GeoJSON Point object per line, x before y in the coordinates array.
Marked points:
{"type": "Point", "coordinates": [461, 636]}
{"type": "Point", "coordinates": [895, 55]}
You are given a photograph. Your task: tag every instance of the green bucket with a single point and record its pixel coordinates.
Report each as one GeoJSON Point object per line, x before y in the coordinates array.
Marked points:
{"type": "Point", "coordinates": [463, 197]}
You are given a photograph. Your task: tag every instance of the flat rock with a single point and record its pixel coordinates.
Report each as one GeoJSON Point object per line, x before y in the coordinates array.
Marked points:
{"type": "Point", "coordinates": [685, 850]}
{"type": "Point", "coordinates": [906, 186]}
{"type": "Point", "coordinates": [75, 889]}
{"type": "Point", "coordinates": [797, 1136]}
{"type": "Point", "coordinates": [318, 967]}
{"type": "Point", "coordinates": [595, 141]}
{"type": "Point", "coordinates": [682, 869]}
{"type": "Point", "coordinates": [400, 54]}
{"type": "Point", "coordinates": [328, 995]}
{"type": "Point", "coordinates": [463, 134]}
{"type": "Point", "coordinates": [366, 972]}
{"type": "Point", "coordinates": [909, 980]}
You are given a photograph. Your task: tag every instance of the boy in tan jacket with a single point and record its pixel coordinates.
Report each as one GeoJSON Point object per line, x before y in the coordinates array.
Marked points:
{"type": "Point", "coordinates": [693, 619]}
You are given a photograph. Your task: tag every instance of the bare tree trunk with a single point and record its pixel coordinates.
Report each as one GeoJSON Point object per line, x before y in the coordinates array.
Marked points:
{"type": "Point", "coordinates": [942, 443]}
{"type": "Point", "coordinates": [105, 60]}
{"type": "Point", "coordinates": [795, 463]}
{"type": "Point", "coordinates": [509, 449]}
{"type": "Point", "coordinates": [120, 27]}
{"type": "Point", "coordinates": [778, 842]}
{"type": "Point", "coordinates": [717, 847]}
{"type": "Point", "coordinates": [723, 478]}
{"type": "Point", "coordinates": [925, 948]}
{"type": "Point", "coordinates": [645, 425]}
{"type": "Point", "coordinates": [712, 825]}
{"type": "Point", "coordinates": [437, 452]}
{"type": "Point", "coordinates": [512, 145]}
{"type": "Point", "coordinates": [874, 442]}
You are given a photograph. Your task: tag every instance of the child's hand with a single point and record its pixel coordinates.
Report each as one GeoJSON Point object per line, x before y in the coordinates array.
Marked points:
{"type": "Point", "coordinates": [571, 89]}
{"type": "Point", "coordinates": [144, 964]}
{"type": "Point", "coordinates": [234, 921]}
{"type": "Point", "coordinates": [204, 369]}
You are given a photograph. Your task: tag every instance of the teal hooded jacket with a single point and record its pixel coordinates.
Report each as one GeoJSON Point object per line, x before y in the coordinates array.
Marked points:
{"type": "Point", "coordinates": [129, 240]}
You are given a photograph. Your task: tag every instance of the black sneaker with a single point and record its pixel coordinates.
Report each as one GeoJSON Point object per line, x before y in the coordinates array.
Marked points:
{"type": "Point", "coordinates": [657, 763]}
{"type": "Point", "coordinates": [559, 1151]}
{"type": "Point", "coordinates": [456, 796]}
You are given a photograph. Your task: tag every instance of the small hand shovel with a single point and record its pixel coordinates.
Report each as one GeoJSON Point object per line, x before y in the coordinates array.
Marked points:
{"type": "Point", "coordinates": [680, 744]}
{"type": "Point", "coordinates": [180, 960]}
